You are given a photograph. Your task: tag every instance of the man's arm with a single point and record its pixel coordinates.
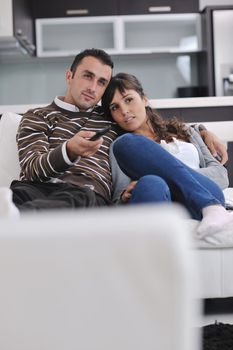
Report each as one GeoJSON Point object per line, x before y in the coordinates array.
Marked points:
{"type": "Point", "coordinates": [42, 158]}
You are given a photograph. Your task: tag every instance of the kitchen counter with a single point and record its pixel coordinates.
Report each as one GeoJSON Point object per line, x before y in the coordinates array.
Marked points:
{"type": "Point", "coordinates": [194, 102]}
{"type": "Point", "coordinates": [19, 108]}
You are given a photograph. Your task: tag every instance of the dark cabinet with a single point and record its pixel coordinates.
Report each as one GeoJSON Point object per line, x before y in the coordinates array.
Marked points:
{"type": "Point", "coordinates": [73, 8]}
{"type": "Point", "coordinates": [128, 7]}
{"type": "Point", "coordinates": [212, 69]}
{"type": "Point", "coordinates": [23, 24]}
{"type": "Point", "coordinates": [16, 28]}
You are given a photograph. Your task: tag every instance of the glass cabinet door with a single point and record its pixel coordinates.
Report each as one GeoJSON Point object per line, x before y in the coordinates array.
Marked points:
{"type": "Point", "coordinates": [68, 36]}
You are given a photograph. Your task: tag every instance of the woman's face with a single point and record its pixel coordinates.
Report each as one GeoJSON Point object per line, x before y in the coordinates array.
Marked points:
{"type": "Point", "coordinates": [128, 110]}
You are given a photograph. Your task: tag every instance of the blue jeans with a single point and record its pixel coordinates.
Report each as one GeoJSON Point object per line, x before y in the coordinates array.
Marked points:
{"type": "Point", "coordinates": [162, 177]}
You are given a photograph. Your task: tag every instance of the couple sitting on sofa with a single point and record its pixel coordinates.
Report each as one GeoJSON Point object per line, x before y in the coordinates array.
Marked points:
{"type": "Point", "coordinates": [62, 168]}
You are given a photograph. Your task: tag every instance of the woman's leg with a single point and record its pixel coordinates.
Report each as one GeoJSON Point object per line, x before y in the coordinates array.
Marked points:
{"type": "Point", "coordinates": [150, 189]}
{"type": "Point", "coordinates": [139, 156]}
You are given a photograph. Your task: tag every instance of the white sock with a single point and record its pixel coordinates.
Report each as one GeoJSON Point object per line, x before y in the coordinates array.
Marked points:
{"type": "Point", "coordinates": [215, 218]}
{"type": "Point", "coordinates": [7, 207]}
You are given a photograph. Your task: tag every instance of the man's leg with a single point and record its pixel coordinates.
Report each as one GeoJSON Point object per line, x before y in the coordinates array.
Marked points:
{"type": "Point", "coordinates": [13, 198]}
{"type": "Point", "coordinates": [27, 191]}
{"type": "Point", "coordinates": [138, 156]}
{"type": "Point", "coordinates": [44, 196]}
{"type": "Point", "coordinates": [71, 196]}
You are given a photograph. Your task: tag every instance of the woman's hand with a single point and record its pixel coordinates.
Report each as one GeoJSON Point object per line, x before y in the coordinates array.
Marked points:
{"type": "Point", "coordinates": [215, 145]}
{"type": "Point", "coordinates": [126, 195]}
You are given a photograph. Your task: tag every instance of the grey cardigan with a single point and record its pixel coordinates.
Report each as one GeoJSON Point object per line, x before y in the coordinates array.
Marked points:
{"type": "Point", "coordinates": [209, 166]}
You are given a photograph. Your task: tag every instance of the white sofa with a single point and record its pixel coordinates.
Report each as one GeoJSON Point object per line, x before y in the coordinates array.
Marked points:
{"type": "Point", "coordinates": [98, 279]}
{"type": "Point", "coordinates": [101, 279]}
{"type": "Point", "coordinates": [216, 260]}
{"type": "Point", "coordinates": [9, 162]}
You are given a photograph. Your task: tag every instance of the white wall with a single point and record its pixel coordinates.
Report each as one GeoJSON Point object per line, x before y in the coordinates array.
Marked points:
{"type": "Point", "coordinates": [6, 20]}
{"type": "Point", "coordinates": [32, 81]}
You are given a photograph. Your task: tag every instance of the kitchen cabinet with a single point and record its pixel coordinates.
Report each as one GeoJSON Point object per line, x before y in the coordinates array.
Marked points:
{"type": "Point", "coordinates": [222, 48]}
{"type": "Point", "coordinates": [16, 27]}
{"type": "Point", "coordinates": [205, 3]}
{"type": "Point", "coordinates": [128, 7]}
{"type": "Point", "coordinates": [216, 60]}
{"type": "Point", "coordinates": [142, 34]}
{"type": "Point", "coordinates": [198, 114]}
{"type": "Point", "coordinates": [73, 8]}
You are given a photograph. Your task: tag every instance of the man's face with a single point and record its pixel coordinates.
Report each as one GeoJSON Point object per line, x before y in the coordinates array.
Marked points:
{"type": "Point", "coordinates": [86, 87]}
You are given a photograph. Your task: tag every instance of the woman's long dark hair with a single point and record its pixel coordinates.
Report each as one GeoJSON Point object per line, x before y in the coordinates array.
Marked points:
{"type": "Point", "coordinates": [164, 129]}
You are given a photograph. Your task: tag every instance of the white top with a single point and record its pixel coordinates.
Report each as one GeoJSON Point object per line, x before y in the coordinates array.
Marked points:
{"type": "Point", "coordinates": [186, 152]}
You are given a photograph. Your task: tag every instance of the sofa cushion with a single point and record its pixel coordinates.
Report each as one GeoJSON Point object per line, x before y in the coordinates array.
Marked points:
{"type": "Point", "coordinates": [9, 162]}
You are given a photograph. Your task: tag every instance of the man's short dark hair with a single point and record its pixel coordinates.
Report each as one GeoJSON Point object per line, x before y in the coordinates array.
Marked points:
{"type": "Point", "coordinates": [97, 53]}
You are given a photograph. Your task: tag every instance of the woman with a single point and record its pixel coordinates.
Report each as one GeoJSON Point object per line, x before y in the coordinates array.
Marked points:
{"type": "Point", "coordinates": [166, 160]}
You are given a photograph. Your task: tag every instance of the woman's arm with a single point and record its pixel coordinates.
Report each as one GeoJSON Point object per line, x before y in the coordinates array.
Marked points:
{"type": "Point", "coordinates": [209, 166]}
{"type": "Point", "coordinates": [215, 145]}
{"type": "Point", "coordinates": [120, 181]}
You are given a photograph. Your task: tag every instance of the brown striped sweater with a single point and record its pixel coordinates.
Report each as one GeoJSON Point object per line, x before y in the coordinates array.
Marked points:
{"type": "Point", "coordinates": [41, 134]}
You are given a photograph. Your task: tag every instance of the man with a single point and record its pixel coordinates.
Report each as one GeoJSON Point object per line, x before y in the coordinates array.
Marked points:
{"type": "Point", "coordinates": [60, 166]}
